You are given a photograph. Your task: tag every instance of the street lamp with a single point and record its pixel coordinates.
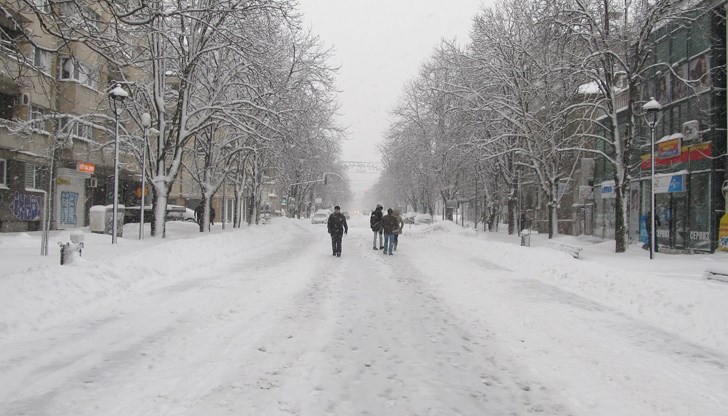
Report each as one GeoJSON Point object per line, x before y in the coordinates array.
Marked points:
{"type": "Point", "coordinates": [146, 124]}
{"type": "Point", "coordinates": [652, 115]}
{"type": "Point", "coordinates": [116, 96]}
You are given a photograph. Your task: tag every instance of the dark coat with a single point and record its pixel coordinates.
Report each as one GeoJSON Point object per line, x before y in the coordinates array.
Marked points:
{"type": "Point", "coordinates": [375, 220]}
{"type": "Point", "coordinates": [390, 223]}
{"type": "Point", "coordinates": [337, 224]}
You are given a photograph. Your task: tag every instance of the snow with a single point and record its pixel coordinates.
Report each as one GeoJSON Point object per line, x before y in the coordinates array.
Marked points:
{"type": "Point", "coordinates": [264, 321]}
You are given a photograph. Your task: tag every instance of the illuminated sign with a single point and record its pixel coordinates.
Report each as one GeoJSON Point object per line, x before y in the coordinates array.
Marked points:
{"type": "Point", "coordinates": [85, 167]}
{"type": "Point", "coordinates": [669, 148]}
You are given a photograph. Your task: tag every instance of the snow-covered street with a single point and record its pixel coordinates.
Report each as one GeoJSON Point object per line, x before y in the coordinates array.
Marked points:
{"type": "Point", "coordinates": [264, 321]}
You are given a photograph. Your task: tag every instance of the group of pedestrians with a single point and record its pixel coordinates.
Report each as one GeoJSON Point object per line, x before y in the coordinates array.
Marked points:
{"type": "Point", "coordinates": [388, 226]}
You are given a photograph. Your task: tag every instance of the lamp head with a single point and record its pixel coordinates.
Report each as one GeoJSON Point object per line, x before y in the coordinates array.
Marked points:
{"type": "Point", "coordinates": [118, 93]}
{"type": "Point", "coordinates": [651, 111]}
{"type": "Point", "coordinates": [146, 120]}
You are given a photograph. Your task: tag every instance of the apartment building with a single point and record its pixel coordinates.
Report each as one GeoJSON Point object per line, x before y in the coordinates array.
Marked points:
{"type": "Point", "coordinates": [56, 129]}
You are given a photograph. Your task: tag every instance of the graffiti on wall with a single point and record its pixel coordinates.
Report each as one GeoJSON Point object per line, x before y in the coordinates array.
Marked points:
{"type": "Point", "coordinates": [69, 201]}
{"type": "Point", "coordinates": [26, 207]}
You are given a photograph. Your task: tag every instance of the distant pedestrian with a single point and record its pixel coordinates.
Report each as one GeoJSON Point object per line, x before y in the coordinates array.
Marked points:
{"type": "Point", "coordinates": [200, 214]}
{"type": "Point", "coordinates": [375, 222]}
{"type": "Point", "coordinates": [337, 228]}
{"type": "Point", "coordinates": [212, 216]}
{"type": "Point", "coordinates": [400, 226]}
{"type": "Point", "coordinates": [389, 226]}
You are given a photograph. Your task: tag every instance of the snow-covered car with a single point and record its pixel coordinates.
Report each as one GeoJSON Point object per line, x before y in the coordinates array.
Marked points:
{"type": "Point", "coordinates": [423, 219]}
{"type": "Point", "coordinates": [320, 218]}
{"type": "Point", "coordinates": [346, 215]}
{"type": "Point", "coordinates": [409, 217]}
{"type": "Point", "coordinates": [179, 213]}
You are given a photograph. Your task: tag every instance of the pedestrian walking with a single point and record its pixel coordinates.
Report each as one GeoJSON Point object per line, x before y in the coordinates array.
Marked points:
{"type": "Point", "coordinates": [212, 216]}
{"type": "Point", "coordinates": [400, 227]}
{"type": "Point", "coordinates": [337, 228]}
{"type": "Point", "coordinates": [200, 213]}
{"type": "Point", "coordinates": [389, 226]}
{"type": "Point", "coordinates": [375, 222]}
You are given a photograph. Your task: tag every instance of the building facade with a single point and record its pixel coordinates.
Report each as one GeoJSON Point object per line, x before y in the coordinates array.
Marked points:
{"type": "Point", "coordinates": [56, 137]}
{"type": "Point", "coordinates": [687, 77]}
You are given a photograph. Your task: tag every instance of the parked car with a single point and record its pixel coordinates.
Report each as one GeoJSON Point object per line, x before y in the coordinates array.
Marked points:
{"type": "Point", "coordinates": [179, 213]}
{"type": "Point", "coordinates": [409, 217]}
{"type": "Point", "coordinates": [346, 215]}
{"type": "Point", "coordinates": [174, 213]}
{"type": "Point", "coordinates": [423, 219]}
{"type": "Point", "coordinates": [320, 217]}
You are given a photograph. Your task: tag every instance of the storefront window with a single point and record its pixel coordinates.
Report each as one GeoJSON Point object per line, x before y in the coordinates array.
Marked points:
{"type": "Point", "coordinates": [699, 37]}
{"type": "Point", "coordinates": [679, 46]}
{"type": "Point", "coordinates": [698, 232]}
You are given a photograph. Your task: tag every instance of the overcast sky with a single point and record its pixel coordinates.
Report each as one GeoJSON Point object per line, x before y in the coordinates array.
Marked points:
{"type": "Point", "coordinates": [379, 45]}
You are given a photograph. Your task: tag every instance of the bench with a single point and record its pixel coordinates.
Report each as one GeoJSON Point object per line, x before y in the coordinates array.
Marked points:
{"type": "Point", "coordinates": [566, 248]}
{"type": "Point", "coordinates": [717, 272]}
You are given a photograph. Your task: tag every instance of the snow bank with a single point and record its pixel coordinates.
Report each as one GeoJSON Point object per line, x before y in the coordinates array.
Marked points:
{"type": "Point", "coordinates": [669, 292]}
{"type": "Point", "coordinates": [38, 296]}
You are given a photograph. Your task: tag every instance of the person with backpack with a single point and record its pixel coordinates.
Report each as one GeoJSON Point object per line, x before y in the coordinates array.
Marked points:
{"type": "Point", "coordinates": [337, 228]}
{"type": "Point", "coordinates": [375, 222]}
{"type": "Point", "coordinates": [400, 226]}
{"type": "Point", "coordinates": [389, 226]}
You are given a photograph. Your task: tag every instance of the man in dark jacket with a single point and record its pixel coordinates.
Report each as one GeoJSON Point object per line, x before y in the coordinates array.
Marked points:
{"type": "Point", "coordinates": [389, 224]}
{"type": "Point", "coordinates": [337, 228]}
{"type": "Point", "coordinates": [375, 222]}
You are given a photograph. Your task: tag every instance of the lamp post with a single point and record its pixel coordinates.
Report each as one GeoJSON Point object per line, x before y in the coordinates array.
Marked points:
{"type": "Point", "coordinates": [652, 116]}
{"type": "Point", "coordinates": [116, 96]}
{"type": "Point", "coordinates": [146, 124]}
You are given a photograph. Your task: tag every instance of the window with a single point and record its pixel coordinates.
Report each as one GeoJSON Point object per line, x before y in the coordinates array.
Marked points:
{"type": "Point", "coordinates": [80, 17]}
{"type": "Point", "coordinates": [43, 5]}
{"type": "Point", "coordinates": [699, 35]}
{"type": "Point", "coordinates": [75, 129]}
{"type": "Point", "coordinates": [41, 118]}
{"type": "Point", "coordinates": [72, 69]}
{"type": "Point", "coordinates": [679, 48]}
{"type": "Point", "coordinates": [3, 173]}
{"type": "Point", "coordinates": [33, 176]}
{"type": "Point", "coordinates": [7, 106]}
{"type": "Point", "coordinates": [42, 59]}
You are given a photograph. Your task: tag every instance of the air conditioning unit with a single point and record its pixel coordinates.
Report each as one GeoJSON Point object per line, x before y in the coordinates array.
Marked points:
{"type": "Point", "coordinates": [92, 182]}
{"type": "Point", "coordinates": [23, 99]}
{"type": "Point", "coordinates": [691, 130]}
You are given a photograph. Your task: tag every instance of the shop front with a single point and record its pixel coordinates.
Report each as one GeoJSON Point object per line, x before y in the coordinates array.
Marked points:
{"type": "Point", "coordinates": [683, 198]}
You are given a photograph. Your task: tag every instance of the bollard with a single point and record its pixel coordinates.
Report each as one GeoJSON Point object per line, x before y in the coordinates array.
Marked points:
{"type": "Point", "coordinates": [68, 249]}
{"type": "Point", "coordinates": [526, 238]}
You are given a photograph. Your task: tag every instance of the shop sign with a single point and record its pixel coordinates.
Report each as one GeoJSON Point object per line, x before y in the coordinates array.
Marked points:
{"type": "Point", "coordinates": [609, 190]}
{"type": "Point", "coordinates": [668, 184]}
{"type": "Point", "coordinates": [687, 154]}
{"type": "Point", "coordinates": [669, 148]}
{"type": "Point", "coordinates": [85, 167]}
{"type": "Point", "coordinates": [699, 235]}
{"type": "Point", "coordinates": [723, 233]}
